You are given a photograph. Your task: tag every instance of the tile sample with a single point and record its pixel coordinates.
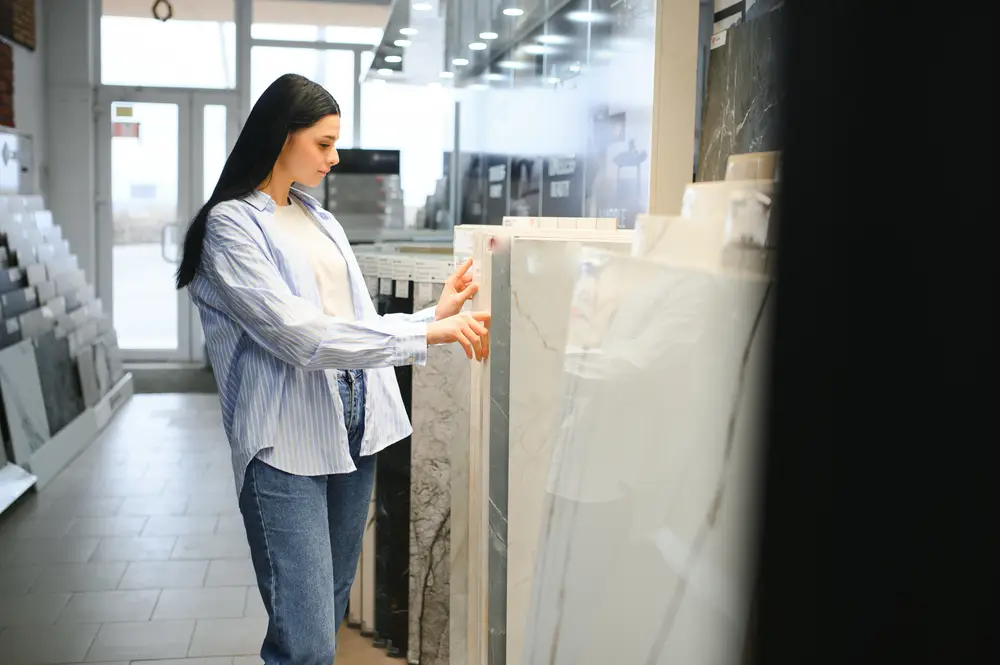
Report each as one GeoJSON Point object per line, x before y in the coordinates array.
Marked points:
{"type": "Point", "coordinates": [648, 509]}
{"type": "Point", "coordinates": [23, 400]}
{"type": "Point", "coordinates": [60, 381]}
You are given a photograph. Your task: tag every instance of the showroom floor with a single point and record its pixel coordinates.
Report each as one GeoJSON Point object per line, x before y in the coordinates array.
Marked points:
{"type": "Point", "coordinates": [137, 552]}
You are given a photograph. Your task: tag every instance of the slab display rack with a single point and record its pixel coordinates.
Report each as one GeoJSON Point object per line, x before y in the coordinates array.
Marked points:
{"type": "Point", "coordinates": [364, 193]}
{"type": "Point", "coordinates": [61, 372]}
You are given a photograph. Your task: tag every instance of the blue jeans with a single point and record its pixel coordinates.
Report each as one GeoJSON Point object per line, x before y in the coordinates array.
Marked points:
{"type": "Point", "coordinates": [305, 538]}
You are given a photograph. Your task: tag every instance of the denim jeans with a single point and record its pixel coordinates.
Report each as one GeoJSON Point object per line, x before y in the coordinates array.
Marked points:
{"type": "Point", "coordinates": [305, 538]}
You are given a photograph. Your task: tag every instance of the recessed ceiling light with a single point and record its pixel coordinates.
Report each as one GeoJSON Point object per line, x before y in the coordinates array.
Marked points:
{"type": "Point", "coordinates": [394, 58]}
{"type": "Point", "coordinates": [447, 75]}
{"type": "Point", "coordinates": [435, 84]}
{"type": "Point", "coordinates": [554, 79]}
{"type": "Point", "coordinates": [379, 81]}
{"type": "Point", "coordinates": [385, 71]}
{"type": "Point", "coordinates": [422, 6]}
{"type": "Point", "coordinates": [537, 49]}
{"type": "Point", "coordinates": [587, 17]}
{"type": "Point", "coordinates": [554, 39]}
{"type": "Point", "coordinates": [460, 62]}
{"type": "Point", "coordinates": [477, 46]}
{"type": "Point", "coordinates": [402, 42]}
{"type": "Point", "coordinates": [513, 11]}
{"type": "Point", "coordinates": [495, 77]}
{"type": "Point", "coordinates": [488, 35]}
{"type": "Point", "coordinates": [513, 64]}
{"type": "Point", "coordinates": [574, 67]}
{"type": "Point", "coordinates": [408, 31]}
{"type": "Point", "coordinates": [478, 86]}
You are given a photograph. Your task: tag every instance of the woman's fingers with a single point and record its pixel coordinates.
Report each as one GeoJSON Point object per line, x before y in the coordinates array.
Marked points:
{"type": "Point", "coordinates": [477, 342]}
{"type": "Point", "coordinates": [465, 342]}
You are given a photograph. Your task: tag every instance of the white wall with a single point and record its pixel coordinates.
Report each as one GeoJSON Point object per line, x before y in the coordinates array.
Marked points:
{"type": "Point", "coordinates": [29, 101]}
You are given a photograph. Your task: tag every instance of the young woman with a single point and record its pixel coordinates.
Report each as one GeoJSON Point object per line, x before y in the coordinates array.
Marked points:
{"type": "Point", "coordinates": [303, 363]}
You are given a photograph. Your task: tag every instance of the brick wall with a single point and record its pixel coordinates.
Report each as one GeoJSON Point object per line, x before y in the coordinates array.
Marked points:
{"type": "Point", "coordinates": [6, 85]}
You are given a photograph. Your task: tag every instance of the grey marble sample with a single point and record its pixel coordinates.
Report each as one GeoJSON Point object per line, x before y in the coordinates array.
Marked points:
{"type": "Point", "coordinates": [440, 417]}
{"type": "Point", "coordinates": [15, 303]}
{"type": "Point", "coordinates": [60, 381]}
{"type": "Point", "coordinates": [744, 99]}
{"type": "Point", "coordinates": [86, 364]}
{"type": "Point", "coordinates": [10, 333]}
{"type": "Point", "coordinates": [649, 511]}
{"type": "Point", "coordinates": [12, 279]}
{"type": "Point", "coordinates": [23, 401]}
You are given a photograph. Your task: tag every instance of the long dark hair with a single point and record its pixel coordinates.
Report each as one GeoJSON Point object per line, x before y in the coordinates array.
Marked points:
{"type": "Point", "coordinates": [289, 104]}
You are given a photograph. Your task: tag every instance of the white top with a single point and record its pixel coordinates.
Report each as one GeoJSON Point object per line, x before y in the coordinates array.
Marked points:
{"type": "Point", "coordinates": [328, 263]}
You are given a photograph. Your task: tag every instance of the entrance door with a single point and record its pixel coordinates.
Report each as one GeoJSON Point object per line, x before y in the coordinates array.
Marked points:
{"type": "Point", "coordinates": [160, 153]}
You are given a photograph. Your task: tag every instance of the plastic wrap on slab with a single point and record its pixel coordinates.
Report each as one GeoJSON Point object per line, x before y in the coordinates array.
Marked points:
{"type": "Point", "coordinates": [752, 166]}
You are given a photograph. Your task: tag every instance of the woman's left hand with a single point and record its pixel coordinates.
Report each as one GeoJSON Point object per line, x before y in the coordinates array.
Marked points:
{"type": "Point", "coordinates": [457, 290]}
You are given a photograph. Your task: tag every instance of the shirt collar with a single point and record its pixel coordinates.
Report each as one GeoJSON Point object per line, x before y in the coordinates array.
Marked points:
{"type": "Point", "coordinates": [265, 203]}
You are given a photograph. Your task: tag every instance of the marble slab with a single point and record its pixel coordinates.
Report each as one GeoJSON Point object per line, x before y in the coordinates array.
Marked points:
{"type": "Point", "coordinates": [648, 513]}
{"type": "Point", "coordinates": [392, 517]}
{"type": "Point", "coordinates": [368, 572]}
{"type": "Point", "coordinates": [744, 98]}
{"type": "Point", "coordinates": [15, 303]}
{"type": "Point", "coordinates": [86, 363]}
{"type": "Point", "coordinates": [10, 333]}
{"type": "Point", "coordinates": [23, 400]}
{"type": "Point", "coordinates": [440, 418]}
{"type": "Point", "coordinates": [12, 279]}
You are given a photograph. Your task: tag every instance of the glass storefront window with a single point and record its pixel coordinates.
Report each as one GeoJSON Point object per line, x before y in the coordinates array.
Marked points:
{"type": "Point", "coordinates": [332, 69]}
{"type": "Point", "coordinates": [141, 51]}
{"type": "Point", "coordinates": [318, 21]}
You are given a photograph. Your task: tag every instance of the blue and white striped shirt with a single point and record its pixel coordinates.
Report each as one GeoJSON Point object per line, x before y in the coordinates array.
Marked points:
{"type": "Point", "coordinates": [275, 352]}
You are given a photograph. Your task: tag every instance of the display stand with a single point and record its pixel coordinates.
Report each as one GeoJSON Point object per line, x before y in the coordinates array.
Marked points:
{"type": "Point", "coordinates": [61, 374]}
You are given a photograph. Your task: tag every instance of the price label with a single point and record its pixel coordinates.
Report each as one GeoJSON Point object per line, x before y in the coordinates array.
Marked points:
{"type": "Point", "coordinates": [559, 189]}
{"type": "Point", "coordinates": [402, 289]}
{"type": "Point", "coordinates": [385, 287]}
{"type": "Point", "coordinates": [423, 294]}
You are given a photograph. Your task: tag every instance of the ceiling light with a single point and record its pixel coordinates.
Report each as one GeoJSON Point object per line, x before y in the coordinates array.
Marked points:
{"type": "Point", "coordinates": [460, 62]}
{"type": "Point", "coordinates": [495, 77]}
{"type": "Point", "coordinates": [422, 6]}
{"type": "Point", "coordinates": [488, 35]}
{"type": "Point", "coordinates": [447, 75]}
{"type": "Point", "coordinates": [554, 39]}
{"type": "Point", "coordinates": [380, 81]}
{"type": "Point", "coordinates": [477, 46]}
{"type": "Point", "coordinates": [586, 17]}
{"type": "Point", "coordinates": [554, 79]}
{"type": "Point", "coordinates": [513, 11]}
{"type": "Point", "coordinates": [434, 84]}
{"type": "Point", "coordinates": [537, 49]}
{"type": "Point", "coordinates": [385, 71]}
{"type": "Point", "coordinates": [402, 42]}
{"type": "Point", "coordinates": [394, 58]}
{"type": "Point", "coordinates": [408, 31]}
{"type": "Point", "coordinates": [574, 67]}
{"type": "Point", "coordinates": [513, 64]}
{"type": "Point", "coordinates": [478, 86]}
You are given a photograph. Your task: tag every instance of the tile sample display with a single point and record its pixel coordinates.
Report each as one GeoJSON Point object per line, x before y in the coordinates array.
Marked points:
{"type": "Point", "coordinates": [744, 97]}
{"type": "Point", "coordinates": [440, 418]}
{"type": "Point", "coordinates": [649, 505]}
{"type": "Point", "coordinates": [23, 400]}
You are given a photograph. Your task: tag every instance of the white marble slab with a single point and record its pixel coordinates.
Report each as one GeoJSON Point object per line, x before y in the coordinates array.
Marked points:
{"type": "Point", "coordinates": [649, 509]}
{"type": "Point", "coordinates": [23, 400]}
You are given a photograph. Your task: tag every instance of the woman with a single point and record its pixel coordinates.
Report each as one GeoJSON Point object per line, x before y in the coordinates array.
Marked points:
{"type": "Point", "coordinates": [303, 363]}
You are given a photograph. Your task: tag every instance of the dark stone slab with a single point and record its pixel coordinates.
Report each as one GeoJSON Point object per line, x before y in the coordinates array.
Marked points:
{"type": "Point", "coordinates": [16, 303]}
{"type": "Point", "coordinates": [60, 381]}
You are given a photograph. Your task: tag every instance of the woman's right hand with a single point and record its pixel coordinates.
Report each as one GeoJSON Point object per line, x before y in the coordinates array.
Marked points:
{"type": "Point", "coordinates": [470, 329]}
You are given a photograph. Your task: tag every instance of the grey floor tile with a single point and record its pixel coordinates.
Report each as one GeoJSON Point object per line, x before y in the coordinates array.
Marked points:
{"type": "Point", "coordinates": [135, 549]}
{"type": "Point", "coordinates": [17, 580]}
{"type": "Point", "coordinates": [74, 577]}
{"type": "Point", "coordinates": [211, 547]}
{"type": "Point", "coordinates": [142, 641]}
{"type": "Point", "coordinates": [164, 575]}
{"type": "Point", "coordinates": [231, 525]}
{"type": "Point", "coordinates": [218, 503]}
{"type": "Point", "coordinates": [40, 551]}
{"type": "Point", "coordinates": [107, 526]}
{"type": "Point", "coordinates": [89, 507]}
{"type": "Point", "coordinates": [33, 609]}
{"type": "Point", "coordinates": [255, 604]}
{"type": "Point", "coordinates": [41, 525]}
{"type": "Point", "coordinates": [224, 660]}
{"type": "Point", "coordinates": [109, 606]}
{"type": "Point", "coordinates": [227, 637]}
{"type": "Point", "coordinates": [247, 660]}
{"type": "Point", "coordinates": [47, 645]}
{"type": "Point", "coordinates": [185, 525]}
{"type": "Point", "coordinates": [231, 572]}
{"type": "Point", "coordinates": [154, 506]}
{"type": "Point", "coordinates": [219, 603]}
{"type": "Point", "coordinates": [128, 488]}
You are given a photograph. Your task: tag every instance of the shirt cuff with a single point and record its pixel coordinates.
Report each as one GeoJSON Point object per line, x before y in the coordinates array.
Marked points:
{"type": "Point", "coordinates": [424, 316]}
{"type": "Point", "coordinates": [410, 345]}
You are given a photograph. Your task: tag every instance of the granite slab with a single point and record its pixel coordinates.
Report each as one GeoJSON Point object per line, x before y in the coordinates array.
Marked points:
{"type": "Point", "coordinates": [60, 381]}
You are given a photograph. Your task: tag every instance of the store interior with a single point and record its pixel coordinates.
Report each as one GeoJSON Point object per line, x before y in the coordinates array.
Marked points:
{"type": "Point", "coordinates": [610, 166]}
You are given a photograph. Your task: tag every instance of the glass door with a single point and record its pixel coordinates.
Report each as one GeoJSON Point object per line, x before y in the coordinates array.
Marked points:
{"type": "Point", "coordinates": [160, 155]}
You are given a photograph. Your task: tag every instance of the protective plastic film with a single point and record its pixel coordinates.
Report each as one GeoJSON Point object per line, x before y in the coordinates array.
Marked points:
{"type": "Point", "coordinates": [649, 511]}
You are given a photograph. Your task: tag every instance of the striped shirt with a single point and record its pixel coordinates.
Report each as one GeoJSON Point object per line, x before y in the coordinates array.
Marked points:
{"type": "Point", "coordinates": [275, 353]}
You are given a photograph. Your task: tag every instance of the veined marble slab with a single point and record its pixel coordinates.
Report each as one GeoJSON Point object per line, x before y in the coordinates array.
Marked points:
{"type": "Point", "coordinates": [650, 502]}
{"type": "Point", "coordinates": [23, 400]}
{"type": "Point", "coordinates": [440, 418]}
{"type": "Point", "coordinates": [481, 585]}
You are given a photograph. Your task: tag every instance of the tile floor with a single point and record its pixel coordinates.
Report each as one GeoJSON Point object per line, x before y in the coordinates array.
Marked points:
{"type": "Point", "coordinates": [136, 553]}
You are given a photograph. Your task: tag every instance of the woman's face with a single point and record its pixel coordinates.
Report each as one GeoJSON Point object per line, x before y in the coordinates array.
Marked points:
{"type": "Point", "coordinates": [309, 153]}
